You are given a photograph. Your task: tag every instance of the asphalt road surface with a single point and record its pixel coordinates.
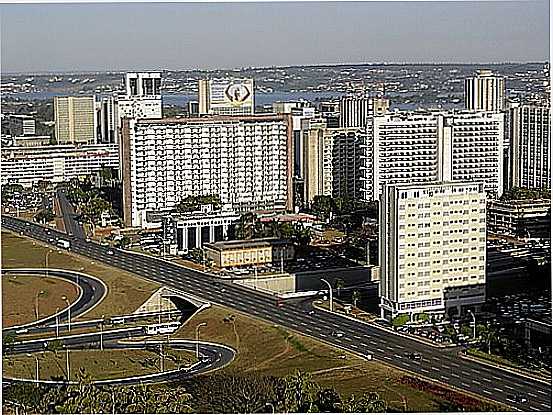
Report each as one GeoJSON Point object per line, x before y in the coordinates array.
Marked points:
{"type": "Point", "coordinates": [72, 227]}
{"type": "Point", "coordinates": [437, 364]}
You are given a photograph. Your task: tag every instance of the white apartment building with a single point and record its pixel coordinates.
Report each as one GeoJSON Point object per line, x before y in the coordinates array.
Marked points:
{"type": "Point", "coordinates": [530, 147]}
{"type": "Point", "coordinates": [485, 92]}
{"type": "Point", "coordinates": [246, 161]}
{"type": "Point", "coordinates": [106, 120]}
{"type": "Point", "coordinates": [27, 165]}
{"type": "Point", "coordinates": [142, 97]}
{"type": "Point", "coordinates": [231, 96]}
{"type": "Point", "coordinates": [356, 111]}
{"type": "Point", "coordinates": [432, 247]}
{"type": "Point", "coordinates": [424, 146]}
{"type": "Point", "coordinates": [75, 120]}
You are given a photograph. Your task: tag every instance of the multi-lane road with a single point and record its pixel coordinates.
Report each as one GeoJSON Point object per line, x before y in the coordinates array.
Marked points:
{"type": "Point", "coordinates": [437, 364]}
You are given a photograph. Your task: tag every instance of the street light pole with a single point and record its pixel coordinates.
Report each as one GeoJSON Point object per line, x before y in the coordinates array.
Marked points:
{"type": "Point", "coordinates": [38, 294]}
{"type": "Point", "coordinates": [473, 324]}
{"type": "Point", "coordinates": [102, 333]}
{"type": "Point", "coordinates": [329, 290]}
{"type": "Point", "coordinates": [46, 260]}
{"type": "Point", "coordinates": [57, 322]}
{"type": "Point", "coordinates": [67, 360]}
{"type": "Point", "coordinates": [198, 339]}
{"type": "Point", "coordinates": [64, 298]}
{"type": "Point", "coordinates": [36, 359]}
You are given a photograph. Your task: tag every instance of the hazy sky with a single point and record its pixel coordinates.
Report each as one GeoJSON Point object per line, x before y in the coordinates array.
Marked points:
{"type": "Point", "coordinates": [65, 37]}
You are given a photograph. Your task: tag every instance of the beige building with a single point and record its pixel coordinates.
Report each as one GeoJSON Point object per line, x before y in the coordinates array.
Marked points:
{"type": "Point", "coordinates": [226, 96]}
{"type": "Point", "coordinates": [432, 247]}
{"type": "Point", "coordinates": [249, 252]}
{"type": "Point", "coordinates": [485, 92]}
{"type": "Point", "coordinates": [75, 120]}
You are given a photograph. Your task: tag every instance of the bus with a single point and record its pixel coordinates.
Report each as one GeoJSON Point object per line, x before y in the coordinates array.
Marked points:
{"type": "Point", "coordinates": [163, 328]}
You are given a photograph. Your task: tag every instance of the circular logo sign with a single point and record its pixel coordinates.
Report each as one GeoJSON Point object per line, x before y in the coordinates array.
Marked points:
{"type": "Point", "coordinates": [237, 93]}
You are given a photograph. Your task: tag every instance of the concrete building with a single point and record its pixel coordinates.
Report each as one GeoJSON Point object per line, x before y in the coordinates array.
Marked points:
{"type": "Point", "coordinates": [485, 92]}
{"type": "Point", "coordinates": [142, 97]}
{"type": "Point", "coordinates": [249, 252]}
{"type": "Point", "coordinates": [530, 147]}
{"type": "Point", "coordinates": [356, 111]}
{"type": "Point", "coordinates": [316, 162]}
{"type": "Point", "coordinates": [244, 160]}
{"type": "Point", "coordinates": [520, 218]}
{"type": "Point", "coordinates": [226, 96]}
{"type": "Point", "coordinates": [28, 165]}
{"type": "Point", "coordinates": [17, 125]}
{"type": "Point", "coordinates": [432, 247]}
{"type": "Point", "coordinates": [106, 121]}
{"type": "Point", "coordinates": [425, 146]}
{"type": "Point", "coordinates": [75, 120]}
{"type": "Point", "coordinates": [30, 141]}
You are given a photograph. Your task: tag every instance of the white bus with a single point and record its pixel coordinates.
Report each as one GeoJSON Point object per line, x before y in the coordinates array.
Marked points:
{"type": "Point", "coordinates": [163, 328]}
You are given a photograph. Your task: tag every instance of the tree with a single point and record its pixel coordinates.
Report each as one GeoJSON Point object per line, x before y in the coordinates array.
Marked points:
{"type": "Point", "coordinates": [367, 403]}
{"type": "Point", "coordinates": [193, 203]}
{"type": "Point", "coordinates": [328, 400]}
{"type": "Point", "coordinates": [124, 241]}
{"type": "Point", "coordinates": [339, 284]}
{"type": "Point", "coordinates": [44, 216]}
{"type": "Point", "coordinates": [355, 297]}
{"type": "Point", "coordinates": [247, 227]}
{"type": "Point", "coordinates": [300, 392]}
{"type": "Point", "coordinates": [322, 206]}
{"type": "Point", "coordinates": [400, 320]}
{"type": "Point", "coordinates": [54, 346]}
{"type": "Point", "coordinates": [8, 342]}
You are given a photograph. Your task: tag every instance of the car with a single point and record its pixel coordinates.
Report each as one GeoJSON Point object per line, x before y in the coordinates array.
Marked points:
{"type": "Point", "coordinates": [110, 252]}
{"type": "Point", "coordinates": [517, 398]}
{"type": "Point", "coordinates": [415, 356]}
{"type": "Point", "coordinates": [337, 334]}
{"type": "Point", "coordinates": [311, 312]}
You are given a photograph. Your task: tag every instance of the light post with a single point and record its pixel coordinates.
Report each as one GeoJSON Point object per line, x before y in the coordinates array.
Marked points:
{"type": "Point", "coordinates": [64, 298]}
{"type": "Point", "coordinates": [255, 275]}
{"type": "Point", "coordinates": [473, 324]}
{"type": "Point", "coordinates": [102, 333]}
{"type": "Point", "coordinates": [271, 405]}
{"type": "Point", "coordinates": [198, 339]}
{"type": "Point", "coordinates": [67, 361]}
{"type": "Point", "coordinates": [38, 294]}
{"type": "Point", "coordinates": [329, 290]}
{"type": "Point", "coordinates": [57, 322]}
{"type": "Point", "coordinates": [81, 269]}
{"type": "Point", "coordinates": [46, 260]}
{"type": "Point", "coordinates": [36, 359]}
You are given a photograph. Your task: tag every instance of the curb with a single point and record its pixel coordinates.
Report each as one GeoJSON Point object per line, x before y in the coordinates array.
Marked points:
{"type": "Point", "coordinates": [503, 367]}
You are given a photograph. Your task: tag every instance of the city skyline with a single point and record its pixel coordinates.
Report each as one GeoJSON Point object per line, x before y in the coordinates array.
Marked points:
{"type": "Point", "coordinates": [43, 37]}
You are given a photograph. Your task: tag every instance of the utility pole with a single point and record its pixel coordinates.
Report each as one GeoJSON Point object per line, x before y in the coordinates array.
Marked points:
{"type": "Point", "coordinates": [67, 360]}
{"type": "Point", "coordinates": [329, 290]}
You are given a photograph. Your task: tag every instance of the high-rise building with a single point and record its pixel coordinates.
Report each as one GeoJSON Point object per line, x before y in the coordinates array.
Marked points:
{"type": "Point", "coordinates": [316, 160]}
{"type": "Point", "coordinates": [432, 248]}
{"type": "Point", "coordinates": [485, 92]}
{"type": "Point", "coordinates": [424, 146]}
{"type": "Point", "coordinates": [245, 160]}
{"type": "Point", "coordinates": [355, 111]}
{"type": "Point", "coordinates": [18, 125]}
{"type": "Point", "coordinates": [226, 96]}
{"type": "Point", "coordinates": [142, 97]}
{"type": "Point", "coordinates": [530, 146]}
{"type": "Point", "coordinates": [75, 120]}
{"type": "Point", "coordinates": [106, 120]}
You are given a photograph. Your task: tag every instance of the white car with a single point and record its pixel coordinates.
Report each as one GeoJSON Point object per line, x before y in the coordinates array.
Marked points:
{"type": "Point", "coordinates": [110, 252]}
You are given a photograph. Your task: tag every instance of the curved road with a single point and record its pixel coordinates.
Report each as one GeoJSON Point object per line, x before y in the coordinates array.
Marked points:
{"type": "Point", "coordinates": [438, 365]}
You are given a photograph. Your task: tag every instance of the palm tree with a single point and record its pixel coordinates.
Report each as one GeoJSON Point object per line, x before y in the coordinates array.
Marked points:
{"type": "Point", "coordinates": [355, 296]}
{"type": "Point", "coordinates": [339, 284]}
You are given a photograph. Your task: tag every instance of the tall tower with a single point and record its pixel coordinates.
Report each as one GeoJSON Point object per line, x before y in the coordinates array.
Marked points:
{"type": "Point", "coordinates": [485, 92]}
{"type": "Point", "coordinates": [75, 120]}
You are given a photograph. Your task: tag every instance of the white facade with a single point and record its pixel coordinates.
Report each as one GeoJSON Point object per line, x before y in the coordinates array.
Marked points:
{"type": "Point", "coordinates": [226, 96]}
{"type": "Point", "coordinates": [423, 146]}
{"type": "Point", "coordinates": [530, 147]}
{"type": "Point", "coordinates": [485, 92]}
{"type": "Point", "coordinates": [27, 165]}
{"type": "Point", "coordinates": [432, 247]}
{"type": "Point", "coordinates": [243, 160]}
{"type": "Point", "coordinates": [142, 97]}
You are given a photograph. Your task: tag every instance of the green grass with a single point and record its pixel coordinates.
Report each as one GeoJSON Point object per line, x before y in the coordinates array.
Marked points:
{"type": "Point", "coordinates": [126, 291]}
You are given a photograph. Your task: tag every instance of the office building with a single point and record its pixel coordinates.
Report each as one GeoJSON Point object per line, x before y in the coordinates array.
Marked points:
{"type": "Point", "coordinates": [226, 96]}
{"type": "Point", "coordinates": [56, 163]}
{"type": "Point", "coordinates": [530, 146]}
{"type": "Point", "coordinates": [485, 92]}
{"type": "Point", "coordinates": [18, 125]}
{"type": "Point", "coordinates": [106, 120]}
{"type": "Point", "coordinates": [142, 97]}
{"type": "Point", "coordinates": [75, 120]}
{"type": "Point", "coordinates": [425, 146]}
{"type": "Point", "coordinates": [316, 160]}
{"type": "Point", "coordinates": [251, 252]}
{"type": "Point", "coordinates": [246, 161]}
{"type": "Point", "coordinates": [432, 248]}
{"type": "Point", "coordinates": [520, 218]}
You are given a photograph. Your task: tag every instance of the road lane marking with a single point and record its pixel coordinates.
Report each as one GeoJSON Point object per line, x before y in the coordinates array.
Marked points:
{"type": "Point", "coordinates": [454, 364]}
{"type": "Point", "coordinates": [487, 391]}
{"type": "Point", "coordinates": [532, 395]}
{"type": "Point", "coordinates": [424, 370]}
{"type": "Point", "coordinates": [475, 381]}
{"type": "Point", "coordinates": [497, 389]}
{"type": "Point", "coordinates": [455, 375]}
{"type": "Point", "coordinates": [380, 350]}
{"type": "Point", "coordinates": [543, 392]}
{"type": "Point", "coordinates": [446, 367]}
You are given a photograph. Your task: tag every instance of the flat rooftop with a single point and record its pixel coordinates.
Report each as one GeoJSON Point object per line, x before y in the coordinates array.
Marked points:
{"type": "Point", "coordinates": [249, 243]}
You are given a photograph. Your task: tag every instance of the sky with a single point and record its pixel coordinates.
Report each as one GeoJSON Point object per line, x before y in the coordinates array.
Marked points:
{"type": "Point", "coordinates": [173, 36]}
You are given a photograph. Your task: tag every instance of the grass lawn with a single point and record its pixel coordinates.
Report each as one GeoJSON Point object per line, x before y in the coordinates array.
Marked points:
{"type": "Point", "coordinates": [126, 291]}
{"type": "Point", "coordinates": [270, 350]}
{"type": "Point", "coordinates": [107, 364]}
{"type": "Point", "coordinates": [19, 297]}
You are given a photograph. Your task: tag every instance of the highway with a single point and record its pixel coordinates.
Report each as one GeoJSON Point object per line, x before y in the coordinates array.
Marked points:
{"type": "Point", "coordinates": [72, 227]}
{"type": "Point", "coordinates": [437, 364]}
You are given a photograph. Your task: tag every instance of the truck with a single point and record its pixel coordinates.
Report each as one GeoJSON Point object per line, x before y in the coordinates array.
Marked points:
{"type": "Point", "coordinates": [62, 243]}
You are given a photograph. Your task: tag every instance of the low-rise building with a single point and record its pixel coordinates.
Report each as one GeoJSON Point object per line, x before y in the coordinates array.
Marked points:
{"type": "Point", "coordinates": [520, 218]}
{"type": "Point", "coordinates": [249, 252]}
